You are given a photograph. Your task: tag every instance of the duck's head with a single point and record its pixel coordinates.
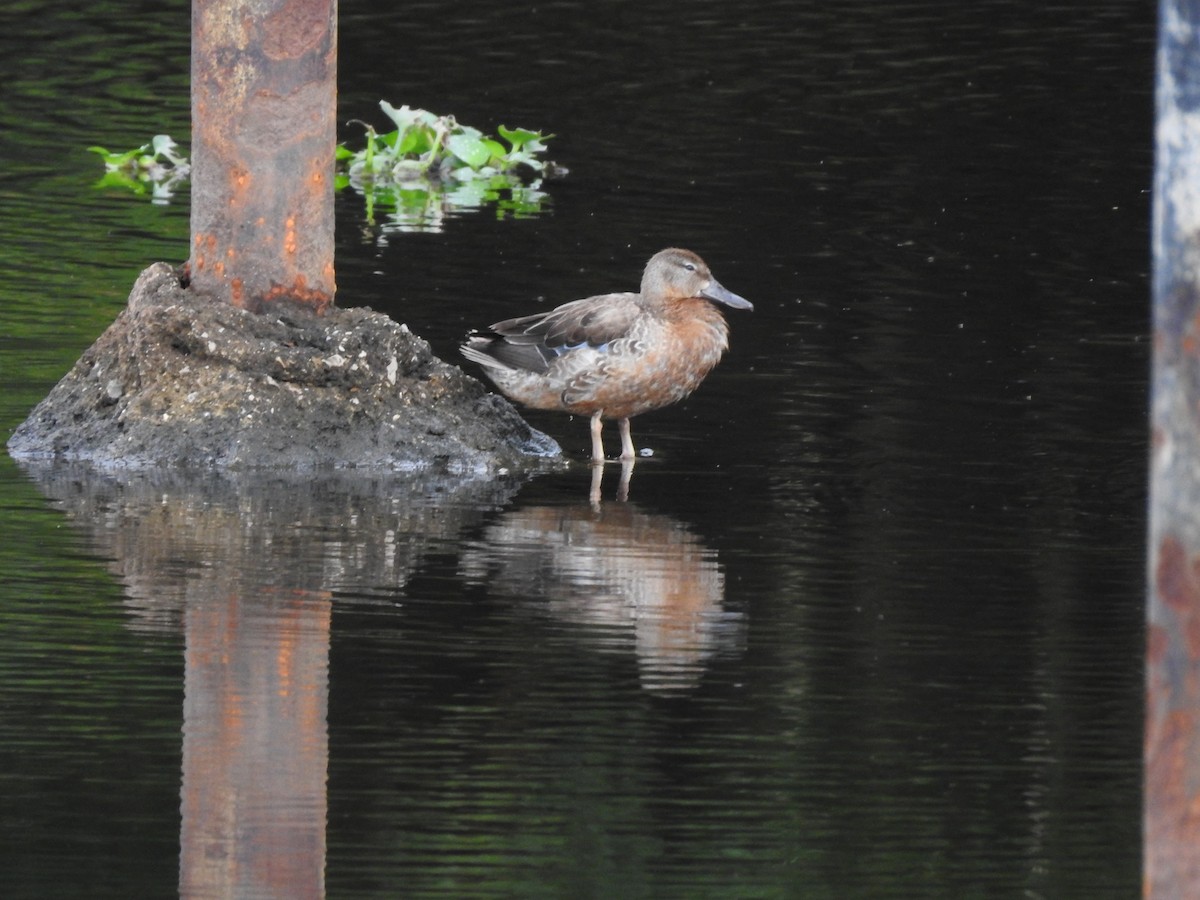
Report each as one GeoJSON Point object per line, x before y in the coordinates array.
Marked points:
{"type": "Point", "coordinates": [675, 274]}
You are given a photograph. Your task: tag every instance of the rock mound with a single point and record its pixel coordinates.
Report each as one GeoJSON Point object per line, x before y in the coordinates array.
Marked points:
{"type": "Point", "coordinates": [178, 379]}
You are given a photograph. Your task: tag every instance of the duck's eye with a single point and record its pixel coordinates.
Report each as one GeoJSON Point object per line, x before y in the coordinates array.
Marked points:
{"type": "Point", "coordinates": [691, 267]}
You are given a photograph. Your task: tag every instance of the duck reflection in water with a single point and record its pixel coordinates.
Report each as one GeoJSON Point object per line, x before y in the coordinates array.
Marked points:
{"type": "Point", "coordinates": [614, 356]}
{"type": "Point", "coordinates": [621, 579]}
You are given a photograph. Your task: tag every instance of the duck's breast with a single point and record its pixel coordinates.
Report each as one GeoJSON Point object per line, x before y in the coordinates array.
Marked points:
{"type": "Point", "coordinates": [660, 361]}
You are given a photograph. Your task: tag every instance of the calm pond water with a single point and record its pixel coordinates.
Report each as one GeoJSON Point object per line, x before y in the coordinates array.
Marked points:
{"type": "Point", "coordinates": [870, 624]}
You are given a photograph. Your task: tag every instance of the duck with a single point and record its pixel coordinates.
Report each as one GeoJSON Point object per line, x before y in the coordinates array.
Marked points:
{"type": "Point", "coordinates": [618, 355]}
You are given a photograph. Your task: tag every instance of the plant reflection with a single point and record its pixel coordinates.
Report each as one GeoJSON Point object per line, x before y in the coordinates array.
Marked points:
{"type": "Point", "coordinates": [630, 578]}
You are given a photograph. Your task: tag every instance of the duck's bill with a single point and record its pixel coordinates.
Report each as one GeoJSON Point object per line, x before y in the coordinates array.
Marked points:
{"type": "Point", "coordinates": [718, 294]}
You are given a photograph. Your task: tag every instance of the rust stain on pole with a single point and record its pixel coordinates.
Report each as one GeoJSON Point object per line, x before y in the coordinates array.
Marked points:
{"type": "Point", "coordinates": [1171, 814]}
{"type": "Point", "coordinates": [264, 107]}
{"type": "Point", "coordinates": [1173, 724]}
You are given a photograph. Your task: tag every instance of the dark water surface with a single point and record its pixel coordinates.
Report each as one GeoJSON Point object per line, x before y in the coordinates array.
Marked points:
{"type": "Point", "coordinates": [870, 624]}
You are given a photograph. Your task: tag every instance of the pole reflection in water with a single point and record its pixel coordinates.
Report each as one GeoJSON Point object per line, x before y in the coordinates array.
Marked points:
{"type": "Point", "coordinates": [255, 746]}
{"type": "Point", "coordinates": [632, 579]}
{"type": "Point", "coordinates": [245, 565]}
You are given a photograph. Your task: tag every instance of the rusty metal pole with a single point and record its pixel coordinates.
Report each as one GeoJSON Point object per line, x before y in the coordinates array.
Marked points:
{"type": "Point", "coordinates": [1171, 815]}
{"type": "Point", "coordinates": [264, 112]}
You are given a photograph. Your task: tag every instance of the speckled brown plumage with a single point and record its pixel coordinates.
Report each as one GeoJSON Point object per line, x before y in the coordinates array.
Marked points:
{"type": "Point", "coordinates": [614, 356]}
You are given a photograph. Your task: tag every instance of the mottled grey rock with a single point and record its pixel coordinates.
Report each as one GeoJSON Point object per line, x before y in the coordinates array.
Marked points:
{"type": "Point", "coordinates": [178, 379]}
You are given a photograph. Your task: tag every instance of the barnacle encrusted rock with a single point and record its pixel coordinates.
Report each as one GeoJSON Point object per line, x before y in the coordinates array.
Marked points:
{"type": "Point", "coordinates": [178, 379]}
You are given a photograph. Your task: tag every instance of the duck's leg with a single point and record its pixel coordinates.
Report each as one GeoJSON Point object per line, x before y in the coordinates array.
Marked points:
{"type": "Point", "coordinates": [597, 441]}
{"type": "Point", "coordinates": [626, 440]}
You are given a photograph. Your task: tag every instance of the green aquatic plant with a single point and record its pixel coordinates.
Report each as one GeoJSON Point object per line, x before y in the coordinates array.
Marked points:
{"type": "Point", "coordinates": [428, 168]}
{"type": "Point", "coordinates": [156, 168]}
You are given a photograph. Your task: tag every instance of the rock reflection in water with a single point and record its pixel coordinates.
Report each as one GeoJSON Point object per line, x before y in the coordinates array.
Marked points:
{"type": "Point", "coordinates": [175, 536]}
{"type": "Point", "coordinates": [635, 580]}
{"type": "Point", "coordinates": [245, 564]}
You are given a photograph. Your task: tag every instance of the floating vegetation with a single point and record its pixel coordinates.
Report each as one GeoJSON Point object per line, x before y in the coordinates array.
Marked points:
{"type": "Point", "coordinates": [431, 167]}
{"type": "Point", "coordinates": [155, 168]}
{"type": "Point", "coordinates": [411, 178]}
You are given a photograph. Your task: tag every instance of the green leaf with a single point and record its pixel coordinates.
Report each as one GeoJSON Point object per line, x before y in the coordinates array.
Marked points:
{"type": "Point", "coordinates": [519, 137]}
{"type": "Point", "coordinates": [384, 143]}
{"type": "Point", "coordinates": [417, 142]}
{"type": "Point", "coordinates": [495, 148]}
{"type": "Point", "coordinates": [113, 161]}
{"type": "Point", "coordinates": [471, 150]}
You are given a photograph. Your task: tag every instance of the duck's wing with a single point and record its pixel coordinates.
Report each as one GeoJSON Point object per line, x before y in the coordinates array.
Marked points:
{"type": "Point", "coordinates": [534, 342]}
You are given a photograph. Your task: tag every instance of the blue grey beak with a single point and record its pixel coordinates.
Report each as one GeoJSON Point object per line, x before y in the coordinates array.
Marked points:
{"type": "Point", "coordinates": [718, 294]}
